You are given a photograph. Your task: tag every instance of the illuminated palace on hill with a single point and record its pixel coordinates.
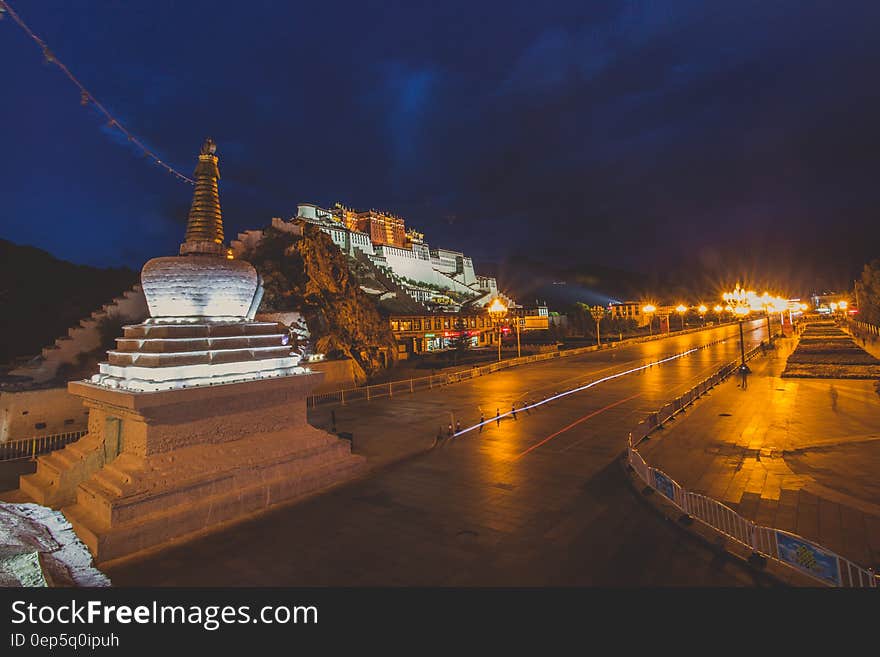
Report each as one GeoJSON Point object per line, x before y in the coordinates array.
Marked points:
{"type": "Point", "coordinates": [432, 276]}
{"type": "Point", "coordinates": [452, 297]}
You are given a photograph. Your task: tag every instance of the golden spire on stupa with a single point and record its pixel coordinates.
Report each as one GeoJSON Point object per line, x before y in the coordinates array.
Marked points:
{"type": "Point", "coordinates": [204, 229]}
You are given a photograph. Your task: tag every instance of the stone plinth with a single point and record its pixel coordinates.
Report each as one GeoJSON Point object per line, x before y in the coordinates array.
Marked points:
{"type": "Point", "coordinates": [161, 466]}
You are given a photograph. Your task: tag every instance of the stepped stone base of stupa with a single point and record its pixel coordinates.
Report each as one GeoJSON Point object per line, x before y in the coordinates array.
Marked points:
{"type": "Point", "coordinates": [164, 466]}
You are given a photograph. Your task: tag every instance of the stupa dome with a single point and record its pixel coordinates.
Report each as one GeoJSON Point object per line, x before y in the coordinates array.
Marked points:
{"type": "Point", "coordinates": [199, 286]}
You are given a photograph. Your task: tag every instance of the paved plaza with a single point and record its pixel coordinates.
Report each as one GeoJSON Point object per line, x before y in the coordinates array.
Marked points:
{"type": "Point", "coordinates": [536, 500]}
{"type": "Point", "coordinates": [800, 455]}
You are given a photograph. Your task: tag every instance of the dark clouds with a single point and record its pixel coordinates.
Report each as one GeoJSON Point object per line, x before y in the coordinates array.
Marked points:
{"type": "Point", "coordinates": [739, 135]}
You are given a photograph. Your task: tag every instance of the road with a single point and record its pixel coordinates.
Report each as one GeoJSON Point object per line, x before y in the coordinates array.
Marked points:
{"type": "Point", "coordinates": [536, 500]}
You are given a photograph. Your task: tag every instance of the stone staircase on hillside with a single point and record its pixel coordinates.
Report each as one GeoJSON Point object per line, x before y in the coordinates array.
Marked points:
{"type": "Point", "coordinates": [405, 303]}
{"type": "Point", "coordinates": [130, 307]}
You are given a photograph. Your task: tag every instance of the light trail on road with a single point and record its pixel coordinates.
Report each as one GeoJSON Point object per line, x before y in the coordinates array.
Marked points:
{"type": "Point", "coordinates": [610, 377]}
{"type": "Point", "coordinates": [591, 384]}
{"type": "Point", "coordinates": [575, 423]}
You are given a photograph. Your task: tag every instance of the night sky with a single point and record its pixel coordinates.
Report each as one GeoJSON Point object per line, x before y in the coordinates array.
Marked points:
{"type": "Point", "coordinates": [735, 135]}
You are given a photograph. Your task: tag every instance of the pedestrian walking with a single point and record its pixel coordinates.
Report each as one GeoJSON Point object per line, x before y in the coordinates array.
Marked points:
{"type": "Point", "coordinates": [526, 406]}
{"type": "Point", "coordinates": [744, 374]}
{"type": "Point", "coordinates": [449, 430]}
{"type": "Point", "coordinates": [482, 419]}
{"type": "Point", "coordinates": [513, 411]}
{"type": "Point", "coordinates": [497, 417]}
{"type": "Point", "coordinates": [458, 426]}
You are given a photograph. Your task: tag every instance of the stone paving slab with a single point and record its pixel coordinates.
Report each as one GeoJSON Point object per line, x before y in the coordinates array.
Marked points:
{"type": "Point", "coordinates": [798, 455]}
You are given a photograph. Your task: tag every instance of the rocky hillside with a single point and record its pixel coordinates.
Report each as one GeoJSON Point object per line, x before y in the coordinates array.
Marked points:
{"type": "Point", "coordinates": [311, 274]}
{"type": "Point", "coordinates": [42, 296]}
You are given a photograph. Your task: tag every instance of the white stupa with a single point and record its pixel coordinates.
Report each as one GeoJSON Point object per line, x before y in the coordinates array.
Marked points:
{"type": "Point", "coordinates": [198, 418]}
{"type": "Point", "coordinates": [202, 303]}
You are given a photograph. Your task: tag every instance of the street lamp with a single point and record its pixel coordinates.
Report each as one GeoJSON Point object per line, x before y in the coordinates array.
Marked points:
{"type": "Point", "coordinates": [718, 310]}
{"type": "Point", "coordinates": [681, 309]}
{"type": "Point", "coordinates": [597, 312]}
{"type": "Point", "coordinates": [516, 321]}
{"type": "Point", "coordinates": [738, 302]}
{"type": "Point", "coordinates": [768, 304]}
{"type": "Point", "coordinates": [649, 310]}
{"type": "Point", "coordinates": [742, 312]}
{"type": "Point", "coordinates": [497, 310]}
{"type": "Point", "coordinates": [702, 309]}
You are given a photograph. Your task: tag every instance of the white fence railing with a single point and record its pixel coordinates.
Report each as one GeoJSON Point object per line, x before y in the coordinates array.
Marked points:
{"type": "Point", "coordinates": [863, 327]}
{"type": "Point", "coordinates": [812, 559]}
{"type": "Point", "coordinates": [21, 450]}
{"type": "Point", "coordinates": [794, 551]}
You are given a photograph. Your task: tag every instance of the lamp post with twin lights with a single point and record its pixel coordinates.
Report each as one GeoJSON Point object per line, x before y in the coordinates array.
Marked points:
{"type": "Point", "coordinates": [649, 310]}
{"type": "Point", "coordinates": [681, 310]}
{"type": "Point", "coordinates": [497, 311]}
{"type": "Point", "coordinates": [738, 302]}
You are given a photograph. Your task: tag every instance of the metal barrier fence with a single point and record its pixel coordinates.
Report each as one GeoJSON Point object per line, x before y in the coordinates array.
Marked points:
{"type": "Point", "coordinates": [380, 390]}
{"type": "Point", "coordinates": [21, 450]}
{"type": "Point", "coordinates": [659, 417]}
{"type": "Point", "coordinates": [792, 550]}
{"type": "Point", "coordinates": [864, 327]}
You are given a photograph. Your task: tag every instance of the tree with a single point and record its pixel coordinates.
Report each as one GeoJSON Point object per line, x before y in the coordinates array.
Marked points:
{"type": "Point", "coordinates": [867, 290]}
{"type": "Point", "coordinates": [598, 312]}
{"type": "Point", "coordinates": [578, 317]}
{"type": "Point", "coordinates": [618, 325]}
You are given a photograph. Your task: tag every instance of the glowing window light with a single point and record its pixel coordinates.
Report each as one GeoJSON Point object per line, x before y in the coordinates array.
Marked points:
{"type": "Point", "coordinates": [497, 307]}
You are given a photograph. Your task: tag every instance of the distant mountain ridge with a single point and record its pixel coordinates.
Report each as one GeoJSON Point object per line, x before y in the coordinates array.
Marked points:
{"type": "Point", "coordinates": [529, 279]}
